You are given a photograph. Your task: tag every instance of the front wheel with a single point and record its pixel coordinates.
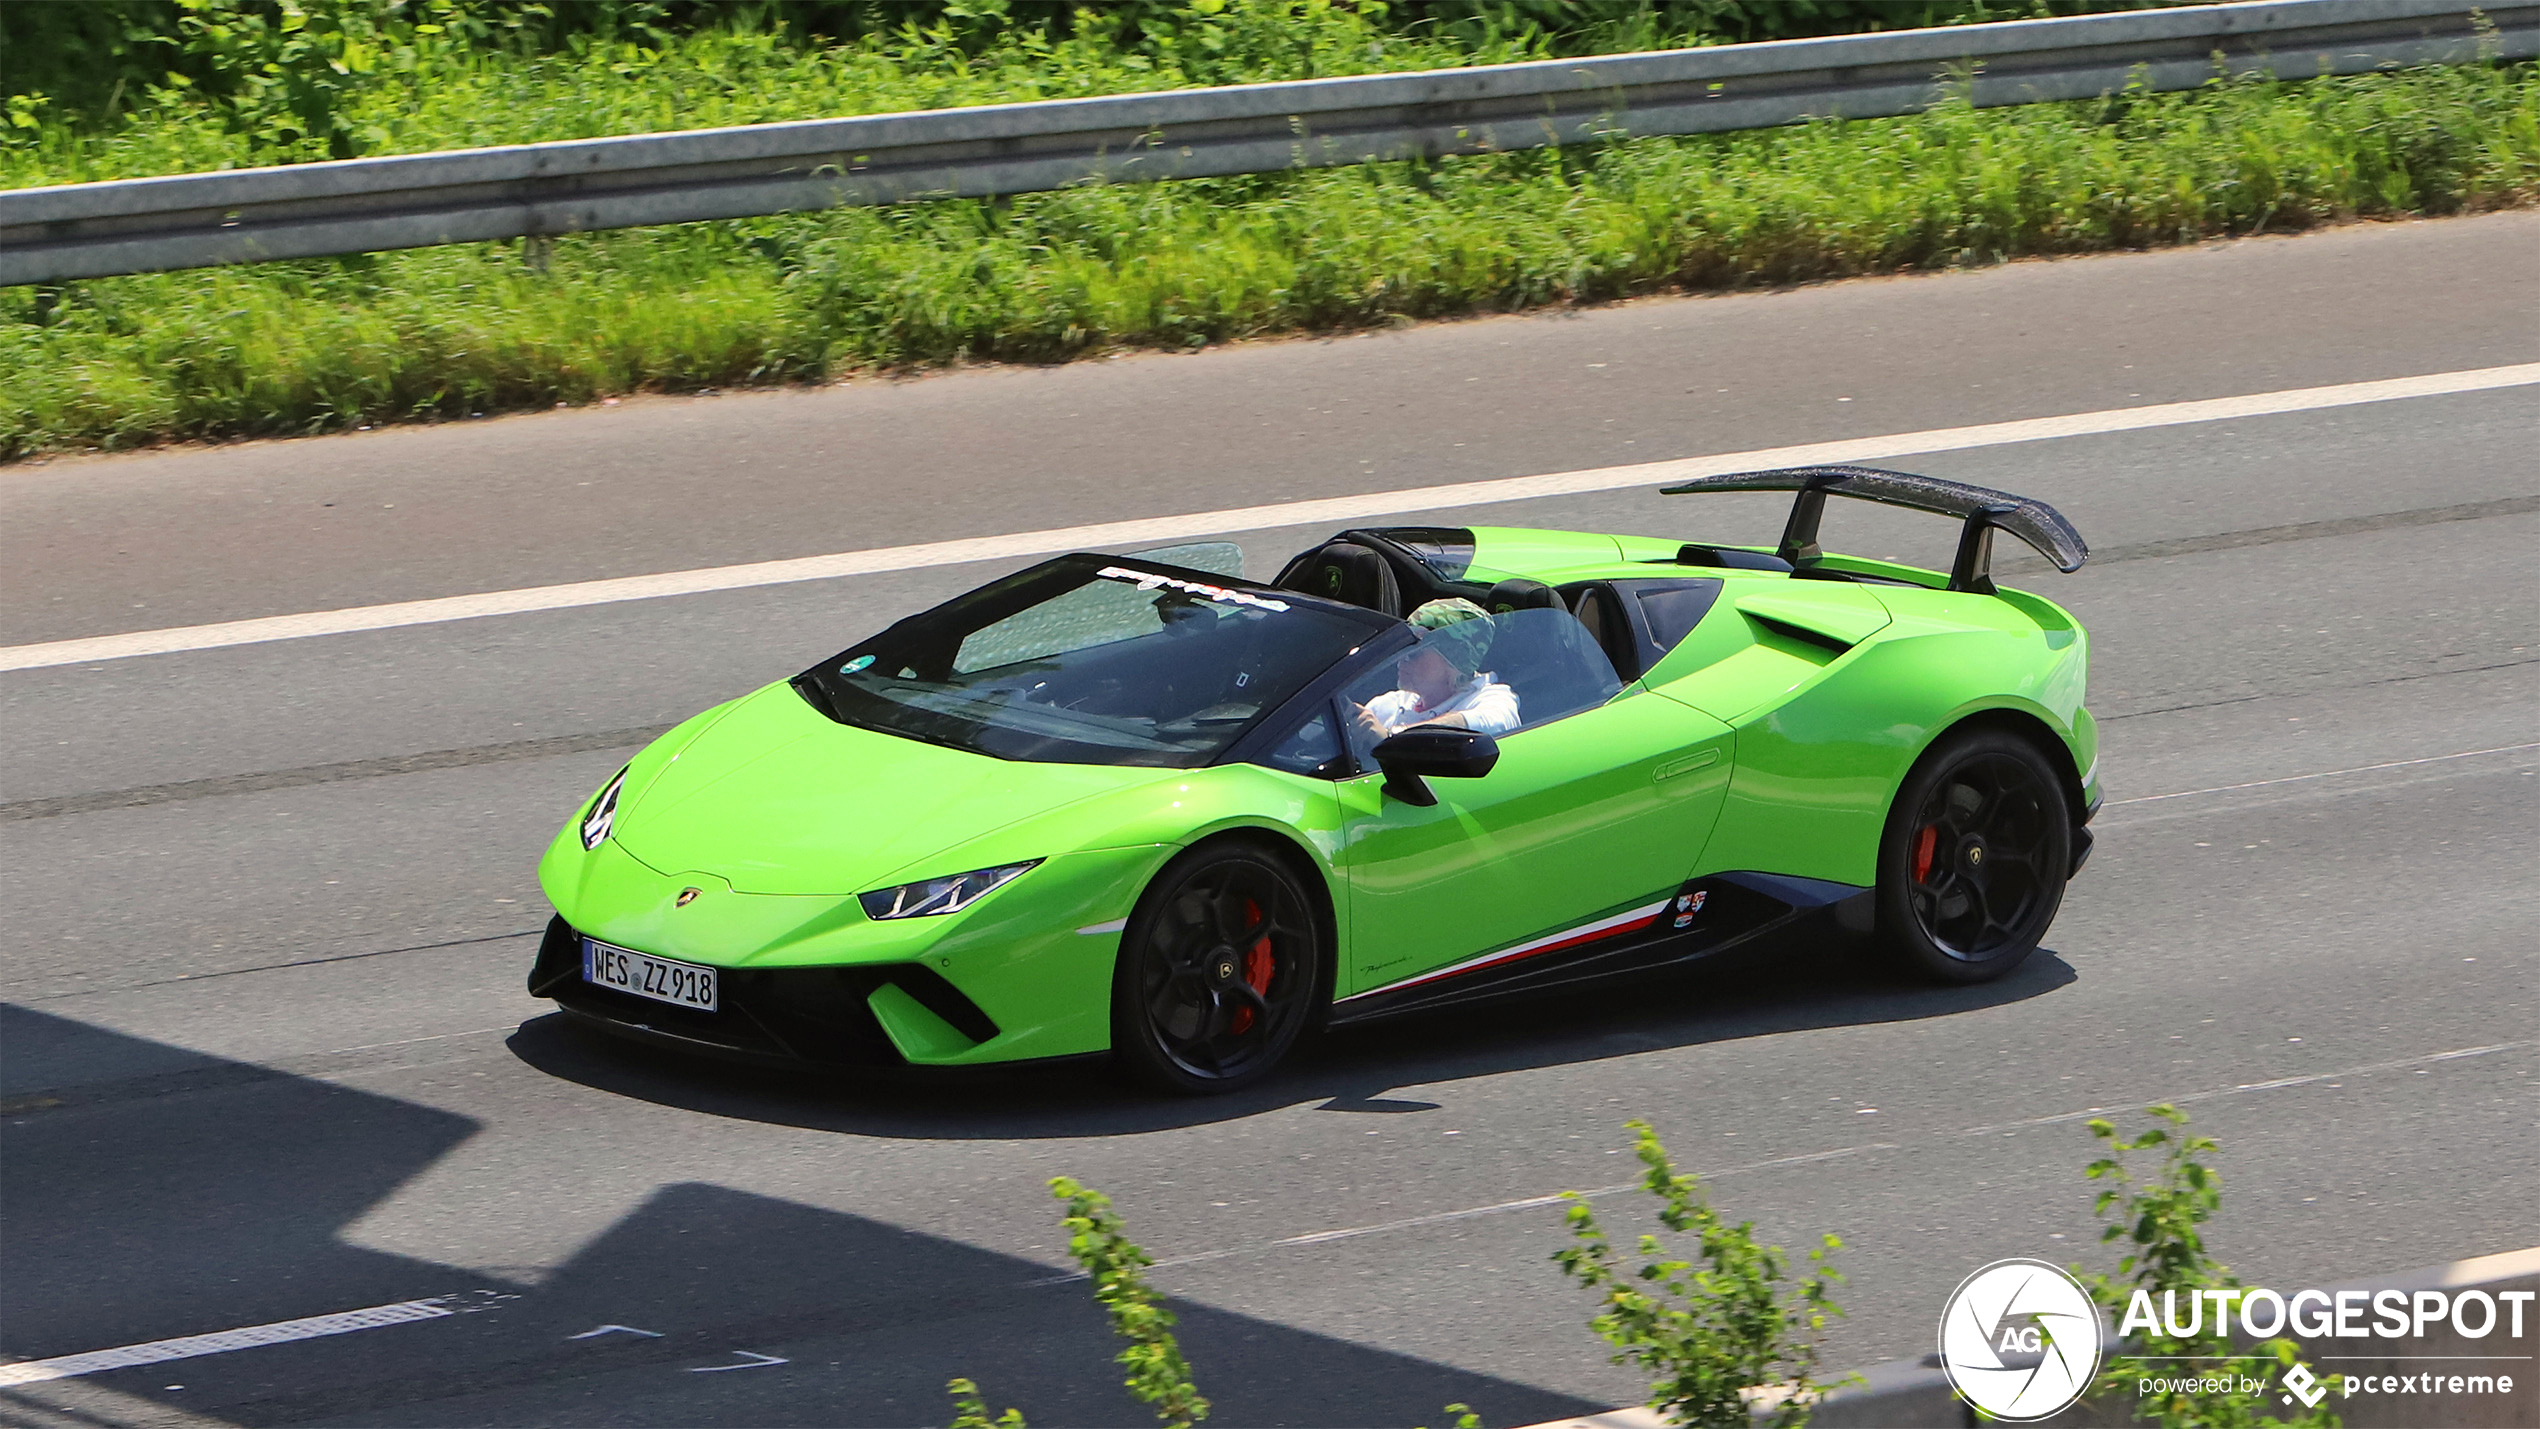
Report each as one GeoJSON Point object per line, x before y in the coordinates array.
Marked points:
{"type": "Point", "coordinates": [1974, 860]}
{"type": "Point", "coordinates": [1221, 970]}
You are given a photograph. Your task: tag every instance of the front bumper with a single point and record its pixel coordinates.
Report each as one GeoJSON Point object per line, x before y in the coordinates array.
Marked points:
{"type": "Point", "coordinates": [798, 1016]}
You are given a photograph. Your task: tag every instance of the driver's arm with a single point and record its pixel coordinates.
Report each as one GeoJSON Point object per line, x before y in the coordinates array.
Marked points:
{"type": "Point", "coordinates": [1493, 711]}
{"type": "Point", "coordinates": [1382, 715]}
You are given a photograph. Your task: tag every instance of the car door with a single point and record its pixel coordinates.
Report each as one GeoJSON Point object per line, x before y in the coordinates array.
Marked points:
{"type": "Point", "coordinates": [1587, 818]}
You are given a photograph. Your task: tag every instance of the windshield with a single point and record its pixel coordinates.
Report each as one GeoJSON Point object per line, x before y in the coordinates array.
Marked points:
{"type": "Point", "coordinates": [1090, 660]}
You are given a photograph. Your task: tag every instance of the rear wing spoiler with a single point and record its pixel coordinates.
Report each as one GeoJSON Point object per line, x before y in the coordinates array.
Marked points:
{"type": "Point", "coordinates": [1984, 512]}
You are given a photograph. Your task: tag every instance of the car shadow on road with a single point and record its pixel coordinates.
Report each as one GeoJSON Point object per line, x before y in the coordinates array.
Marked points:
{"type": "Point", "coordinates": [1353, 1071]}
{"type": "Point", "coordinates": [156, 1193]}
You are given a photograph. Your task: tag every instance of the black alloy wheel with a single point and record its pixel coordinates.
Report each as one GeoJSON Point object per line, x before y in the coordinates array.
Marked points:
{"type": "Point", "coordinates": [1977, 850]}
{"type": "Point", "coordinates": [1221, 970]}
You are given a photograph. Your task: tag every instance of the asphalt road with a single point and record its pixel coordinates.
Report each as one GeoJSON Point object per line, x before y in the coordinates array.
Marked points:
{"type": "Point", "coordinates": [266, 1055]}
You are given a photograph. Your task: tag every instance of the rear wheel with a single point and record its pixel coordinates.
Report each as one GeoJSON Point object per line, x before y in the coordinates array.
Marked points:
{"type": "Point", "coordinates": [1976, 853]}
{"type": "Point", "coordinates": [1221, 970]}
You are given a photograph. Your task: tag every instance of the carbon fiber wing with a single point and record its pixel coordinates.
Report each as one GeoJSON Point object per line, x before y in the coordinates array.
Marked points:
{"type": "Point", "coordinates": [1984, 511]}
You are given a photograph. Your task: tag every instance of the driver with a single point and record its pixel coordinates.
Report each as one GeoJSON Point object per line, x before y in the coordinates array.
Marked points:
{"type": "Point", "coordinates": [1441, 679]}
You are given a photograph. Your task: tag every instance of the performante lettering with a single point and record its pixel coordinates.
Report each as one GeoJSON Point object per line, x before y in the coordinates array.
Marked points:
{"type": "Point", "coordinates": [1148, 580]}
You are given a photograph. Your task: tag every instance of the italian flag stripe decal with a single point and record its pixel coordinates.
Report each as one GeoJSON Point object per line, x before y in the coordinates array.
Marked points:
{"type": "Point", "coordinates": [1611, 926]}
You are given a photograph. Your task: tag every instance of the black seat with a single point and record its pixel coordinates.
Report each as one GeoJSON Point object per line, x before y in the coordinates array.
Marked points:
{"type": "Point", "coordinates": [1600, 609]}
{"type": "Point", "coordinates": [1519, 593]}
{"type": "Point", "coordinates": [1545, 655]}
{"type": "Point", "coordinates": [1348, 572]}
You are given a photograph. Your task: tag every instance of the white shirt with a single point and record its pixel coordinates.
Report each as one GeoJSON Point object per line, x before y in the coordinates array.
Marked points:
{"type": "Point", "coordinates": [1487, 706]}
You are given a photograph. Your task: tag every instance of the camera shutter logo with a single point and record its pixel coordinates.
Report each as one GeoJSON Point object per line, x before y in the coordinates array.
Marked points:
{"type": "Point", "coordinates": [2020, 1340]}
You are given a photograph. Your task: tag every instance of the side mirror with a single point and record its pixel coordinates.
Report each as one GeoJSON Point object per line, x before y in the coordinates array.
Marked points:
{"type": "Point", "coordinates": [1438, 751]}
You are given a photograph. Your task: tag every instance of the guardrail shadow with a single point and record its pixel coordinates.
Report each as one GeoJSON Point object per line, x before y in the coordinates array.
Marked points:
{"type": "Point", "coordinates": [154, 1192]}
{"type": "Point", "coordinates": [1740, 996]}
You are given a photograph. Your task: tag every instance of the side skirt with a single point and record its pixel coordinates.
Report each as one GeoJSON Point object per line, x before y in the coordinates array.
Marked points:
{"type": "Point", "coordinates": [1708, 915]}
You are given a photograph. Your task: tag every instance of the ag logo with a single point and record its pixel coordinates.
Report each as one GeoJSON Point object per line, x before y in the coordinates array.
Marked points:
{"type": "Point", "coordinates": [1331, 580]}
{"type": "Point", "coordinates": [2020, 1340]}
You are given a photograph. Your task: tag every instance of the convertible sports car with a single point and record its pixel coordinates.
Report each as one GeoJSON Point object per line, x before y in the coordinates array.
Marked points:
{"type": "Point", "coordinates": [1111, 804]}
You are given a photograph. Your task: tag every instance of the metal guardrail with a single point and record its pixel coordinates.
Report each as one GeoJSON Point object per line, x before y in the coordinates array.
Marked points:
{"type": "Point", "coordinates": [471, 195]}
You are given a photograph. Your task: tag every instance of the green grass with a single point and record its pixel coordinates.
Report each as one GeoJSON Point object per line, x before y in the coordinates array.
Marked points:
{"type": "Point", "coordinates": [316, 345]}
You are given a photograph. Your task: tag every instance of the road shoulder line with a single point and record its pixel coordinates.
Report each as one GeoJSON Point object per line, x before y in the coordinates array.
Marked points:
{"type": "Point", "coordinates": [1341, 510]}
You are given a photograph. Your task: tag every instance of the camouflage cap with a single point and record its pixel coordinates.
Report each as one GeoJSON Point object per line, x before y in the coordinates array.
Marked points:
{"type": "Point", "coordinates": [1457, 629]}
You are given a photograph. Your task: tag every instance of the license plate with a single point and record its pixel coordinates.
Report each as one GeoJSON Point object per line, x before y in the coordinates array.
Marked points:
{"type": "Point", "coordinates": [679, 984]}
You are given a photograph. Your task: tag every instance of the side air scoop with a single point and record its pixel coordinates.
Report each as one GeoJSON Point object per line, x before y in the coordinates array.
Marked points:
{"type": "Point", "coordinates": [1985, 511]}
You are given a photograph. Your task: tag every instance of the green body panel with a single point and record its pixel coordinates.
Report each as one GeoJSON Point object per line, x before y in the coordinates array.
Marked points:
{"type": "Point", "coordinates": [1854, 617]}
{"type": "Point", "coordinates": [1018, 953]}
{"type": "Point", "coordinates": [918, 1033]}
{"type": "Point", "coordinates": [1772, 738]}
{"type": "Point", "coordinates": [1819, 761]}
{"type": "Point", "coordinates": [1503, 551]}
{"type": "Point", "coordinates": [777, 798]}
{"type": "Point", "coordinates": [1575, 821]}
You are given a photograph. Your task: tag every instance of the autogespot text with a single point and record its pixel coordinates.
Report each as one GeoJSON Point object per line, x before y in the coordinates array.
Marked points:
{"type": "Point", "coordinates": [2319, 1314]}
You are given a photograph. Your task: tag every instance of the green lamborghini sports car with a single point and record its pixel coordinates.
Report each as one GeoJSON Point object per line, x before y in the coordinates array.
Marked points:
{"type": "Point", "coordinates": [1140, 807]}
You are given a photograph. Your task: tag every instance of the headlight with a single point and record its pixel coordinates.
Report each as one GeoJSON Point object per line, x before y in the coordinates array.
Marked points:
{"type": "Point", "coordinates": [939, 895]}
{"type": "Point", "coordinates": [596, 824]}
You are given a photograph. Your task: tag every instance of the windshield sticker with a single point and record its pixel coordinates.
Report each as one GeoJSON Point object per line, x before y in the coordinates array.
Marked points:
{"type": "Point", "coordinates": [858, 663]}
{"type": "Point", "coordinates": [1147, 580]}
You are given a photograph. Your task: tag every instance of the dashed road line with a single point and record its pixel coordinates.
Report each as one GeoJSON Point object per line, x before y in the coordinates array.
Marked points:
{"type": "Point", "coordinates": [1993, 1129]}
{"type": "Point", "coordinates": [280, 1332]}
{"type": "Point", "coordinates": [2324, 774]}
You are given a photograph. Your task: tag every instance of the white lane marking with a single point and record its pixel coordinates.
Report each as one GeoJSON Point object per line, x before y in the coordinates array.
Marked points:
{"type": "Point", "coordinates": [2367, 1069]}
{"type": "Point", "coordinates": [750, 1359]}
{"type": "Point", "coordinates": [1094, 930]}
{"type": "Point", "coordinates": [618, 1329]}
{"type": "Point", "coordinates": [404, 1312]}
{"type": "Point", "coordinates": [2323, 774]}
{"type": "Point", "coordinates": [1409, 1222]}
{"type": "Point", "coordinates": [1469, 1212]}
{"type": "Point", "coordinates": [1530, 1202]}
{"type": "Point", "coordinates": [1339, 510]}
{"type": "Point", "coordinates": [406, 1041]}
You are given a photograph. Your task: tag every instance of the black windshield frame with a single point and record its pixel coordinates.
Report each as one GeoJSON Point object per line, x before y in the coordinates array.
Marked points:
{"type": "Point", "coordinates": [828, 688]}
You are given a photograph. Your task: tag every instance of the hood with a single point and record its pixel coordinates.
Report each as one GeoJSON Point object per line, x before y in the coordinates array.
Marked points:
{"type": "Point", "coordinates": [778, 798]}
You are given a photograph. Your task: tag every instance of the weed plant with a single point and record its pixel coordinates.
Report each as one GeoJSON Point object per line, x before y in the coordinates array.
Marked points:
{"type": "Point", "coordinates": [323, 344]}
{"type": "Point", "coordinates": [2160, 1218]}
{"type": "Point", "coordinates": [1100, 1243]}
{"type": "Point", "coordinates": [971, 1412]}
{"type": "Point", "coordinates": [1710, 1329]}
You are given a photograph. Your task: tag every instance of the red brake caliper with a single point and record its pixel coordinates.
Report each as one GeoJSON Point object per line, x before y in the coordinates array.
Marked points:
{"type": "Point", "coordinates": [1257, 966]}
{"type": "Point", "coordinates": [1923, 843]}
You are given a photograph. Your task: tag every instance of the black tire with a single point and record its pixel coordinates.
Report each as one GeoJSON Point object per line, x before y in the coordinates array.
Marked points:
{"type": "Point", "coordinates": [1976, 853]}
{"type": "Point", "coordinates": [1222, 969]}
